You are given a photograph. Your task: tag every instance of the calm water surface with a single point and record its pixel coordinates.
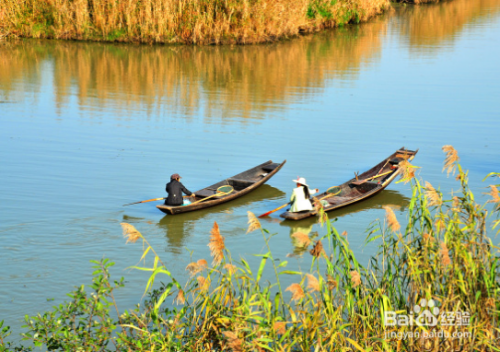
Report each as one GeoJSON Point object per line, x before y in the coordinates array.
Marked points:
{"type": "Point", "coordinates": [88, 127]}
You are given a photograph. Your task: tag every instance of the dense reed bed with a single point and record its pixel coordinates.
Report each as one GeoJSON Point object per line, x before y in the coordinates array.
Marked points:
{"type": "Point", "coordinates": [443, 263]}
{"type": "Point", "coordinates": [179, 21]}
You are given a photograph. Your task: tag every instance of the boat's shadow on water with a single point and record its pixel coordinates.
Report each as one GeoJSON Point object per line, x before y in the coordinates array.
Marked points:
{"type": "Point", "coordinates": [178, 228]}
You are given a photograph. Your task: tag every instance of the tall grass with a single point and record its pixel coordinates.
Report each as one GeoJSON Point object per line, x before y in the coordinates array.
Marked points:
{"type": "Point", "coordinates": [443, 254]}
{"type": "Point", "coordinates": [179, 21]}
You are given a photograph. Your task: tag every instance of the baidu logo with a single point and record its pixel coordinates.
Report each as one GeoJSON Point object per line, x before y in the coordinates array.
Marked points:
{"type": "Point", "coordinates": [428, 313]}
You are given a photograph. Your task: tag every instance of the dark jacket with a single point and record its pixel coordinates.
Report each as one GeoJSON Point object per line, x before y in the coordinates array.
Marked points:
{"type": "Point", "coordinates": [174, 189]}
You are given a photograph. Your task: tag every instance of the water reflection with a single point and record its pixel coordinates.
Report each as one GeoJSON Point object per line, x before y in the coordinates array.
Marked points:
{"type": "Point", "coordinates": [425, 27]}
{"type": "Point", "coordinates": [178, 228]}
{"type": "Point", "coordinates": [216, 82]}
{"type": "Point", "coordinates": [390, 198]}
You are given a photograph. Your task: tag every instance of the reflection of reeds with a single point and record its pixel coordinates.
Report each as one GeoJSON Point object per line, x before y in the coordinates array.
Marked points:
{"type": "Point", "coordinates": [429, 25]}
{"type": "Point", "coordinates": [228, 79]}
{"type": "Point", "coordinates": [179, 21]}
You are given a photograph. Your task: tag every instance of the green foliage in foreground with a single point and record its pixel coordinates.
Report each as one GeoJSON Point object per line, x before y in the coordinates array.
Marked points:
{"type": "Point", "coordinates": [444, 255]}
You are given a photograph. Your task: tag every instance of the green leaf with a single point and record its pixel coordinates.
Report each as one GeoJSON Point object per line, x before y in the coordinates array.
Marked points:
{"type": "Point", "coordinates": [289, 272]}
{"type": "Point", "coordinates": [261, 266]}
{"type": "Point", "coordinates": [283, 264]}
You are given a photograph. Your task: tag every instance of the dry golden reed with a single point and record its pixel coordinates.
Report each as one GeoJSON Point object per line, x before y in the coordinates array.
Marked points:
{"type": "Point", "coordinates": [196, 267]}
{"type": "Point", "coordinates": [355, 278]}
{"type": "Point", "coordinates": [130, 232]}
{"type": "Point", "coordinates": [180, 299]}
{"type": "Point", "coordinates": [253, 222]}
{"type": "Point", "coordinates": [297, 291]}
{"type": "Point", "coordinates": [230, 268]}
{"type": "Point", "coordinates": [445, 257]}
{"type": "Point", "coordinates": [279, 327]}
{"type": "Point", "coordinates": [203, 283]}
{"type": "Point", "coordinates": [392, 221]}
{"type": "Point", "coordinates": [234, 343]}
{"type": "Point", "coordinates": [180, 21]}
{"type": "Point", "coordinates": [216, 245]}
{"type": "Point", "coordinates": [440, 224]}
{"type": "Point", "coordinates": [450, 163]}
{"type": "Point", "coordinates": [317, 250]}
{"type": "Point", "coordinates": [331, 282]}
{"type": "Point", "coordinates": [495, 196]}
{"type": "Point", "coordinates": [312, 283]}
{"type": "Point", "coordinates": [432, 195]}
{"type": "Point", "coordinates": [407, 171]}
{"type": "Point", "coordinates": [301, 239]}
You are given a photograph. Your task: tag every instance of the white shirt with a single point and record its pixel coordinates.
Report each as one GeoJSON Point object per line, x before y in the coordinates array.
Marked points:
{"type": "Point", "coordinates": [299, 201]}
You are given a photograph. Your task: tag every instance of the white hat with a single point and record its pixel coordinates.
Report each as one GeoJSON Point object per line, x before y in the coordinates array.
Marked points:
{"type": "Point", "coordinates": [301, 180]}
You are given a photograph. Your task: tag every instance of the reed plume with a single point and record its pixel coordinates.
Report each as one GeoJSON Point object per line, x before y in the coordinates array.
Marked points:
{"type": "Point", "coordinates": [331, 282]}
{"type": "Point", "coordinates": [407, 171]}
{"type": "Point", "coordinates": [253, 222]}
{"type": "Point", "coordinates": [455, 203]}
{"type": "Point", "coordinates": [440, 224]}
{"type": "Point", "coordinates": [392, 221]}
{"type": "Point", "coordinates": [279, 327]}
{"type": "Point", "coordinates": [297, 291]}
{"type": "Point", "coordinates": [355, 278]}
{"type": "Point", "coordinates": [130, 232]}
{"type": "Point", "coordinates": [196, 267]}
{"type": "Point", "coordinates": [180, 299]}
{"type": "Point", "coordinates": [216, 245]}
{"type": "Point", "coordinates": [312, 283]}
{"type": "Point", "coordinates": [495, 196]}
{"type": "Point", "coordinates": [230, 268]}
{"type": "Point", "coordinates": [234, 343]}
{"type": "Point", "coordinates": [317, 250]}
{"type": "Point", "coordinates": [321, 213]}
{"type": "Point", "coordinates": [445, 257]}
{"type": "Point", "coordinates": [432, 195]}
{"type": "Point", "coordinates": [451, 161]}
{"type": "Point", "coordinates": [302, 239]}
{"type": "Point", "coordinates": [317, 205]}
{"type": "Point", "coordinates": [203, 283]}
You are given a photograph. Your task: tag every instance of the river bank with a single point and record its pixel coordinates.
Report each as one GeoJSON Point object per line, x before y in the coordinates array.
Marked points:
{"type": "Point", "coordinates": [180, 22]}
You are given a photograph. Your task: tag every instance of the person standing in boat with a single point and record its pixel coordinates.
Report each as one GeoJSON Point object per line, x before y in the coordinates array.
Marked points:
{"type": "Point", "coordinates": [301, 196]}
{"type": "Point", "coordinates": [175, 189]}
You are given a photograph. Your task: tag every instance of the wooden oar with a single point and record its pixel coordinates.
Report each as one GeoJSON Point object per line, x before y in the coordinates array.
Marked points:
{"type": "Point", "coordinates": [149, 200]}
{"type": "Point", "coordinates": [145, 201]}
{"type": "Point", "coordinates": [221, 191]}
{"type": "Point", "coordinates": [272, 211]}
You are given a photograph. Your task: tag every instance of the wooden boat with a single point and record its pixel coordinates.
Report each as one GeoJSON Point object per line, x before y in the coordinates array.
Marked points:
{"type": "Point", "coordinates": [242, 184]}
{"type": "Point", "coordinates": [361, 187]}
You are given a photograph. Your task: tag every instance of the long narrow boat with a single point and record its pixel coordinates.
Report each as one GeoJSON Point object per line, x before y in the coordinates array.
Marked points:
{"type": "Point", "coordinates": [242, 184]}
{"type": "Point", "coordinates": [361, 187]}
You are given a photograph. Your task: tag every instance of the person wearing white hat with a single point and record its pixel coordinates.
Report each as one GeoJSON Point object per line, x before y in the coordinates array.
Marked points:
{"type": "Point", "coordinates": [301, 196]}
